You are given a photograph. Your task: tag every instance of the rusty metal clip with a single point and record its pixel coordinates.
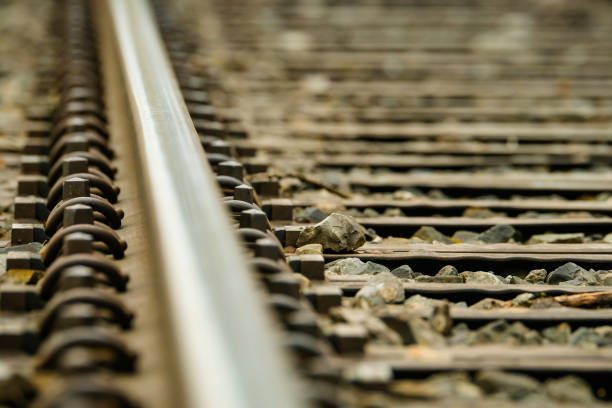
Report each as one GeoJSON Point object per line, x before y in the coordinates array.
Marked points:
{"type": "Point", "coordinates": [51, 351]}
{"type": "Point", "coordinates": [121, 315]}
{"type": "Point", "coordinates": [95, 261]}
{"type": "Point", "coordinates": [100, 232]}
{"type": "Point", "coordinates": [112, 216]}
{"type": "Point", "coordinates": [107, 188]}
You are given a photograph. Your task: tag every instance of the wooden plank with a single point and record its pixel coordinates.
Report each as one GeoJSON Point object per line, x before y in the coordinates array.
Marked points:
{"type": "Point", "coordinates": [432, 206]}
{"type": "Point", "coordinates": [590, 248]}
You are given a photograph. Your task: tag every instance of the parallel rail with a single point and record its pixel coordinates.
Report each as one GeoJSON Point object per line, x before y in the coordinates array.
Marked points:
{"type": "Point", "coordinates": [227, 354]}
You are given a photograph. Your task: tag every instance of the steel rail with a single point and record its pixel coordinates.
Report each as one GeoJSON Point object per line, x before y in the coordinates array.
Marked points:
{"type": "Point", "coordinates": [227, 355]}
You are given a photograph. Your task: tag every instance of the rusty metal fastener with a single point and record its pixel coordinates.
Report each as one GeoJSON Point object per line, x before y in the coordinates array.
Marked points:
{"type": "Point", "coordinates": [79, 107]}
{"type": "Point", "coordinates": [30, 208]}
{"type": "Point", "coordinates": [303, 321]}
{"type": "Point", "coordinates": [112, 216]}
{"type": "Point", "coordinates": [232, 169]}
{"type": "Point", "coordinates": [284, 304]}
{"type": "Point", "coordinates": [78, 277]}
{"type": "Point", "coordinates": [36, 146]}
{"type": "Point", "coordinates": [215, 158]}
{"type": "Point", "coordinates": [228, 184]}
{"type": "Point", "coordinates": [81, 141]}
{"type": "Point", "coordinates": [244, 193]}
{"type": "Point", "coordinates": [312, 266]}
{"type": "Point", "coordinates": [77, 243]}
{"type": "Point", "coordinates": [104, 300]}
{"type": "Point", "coordinates": [303, 345]}
{"type": "Point", "coordinates": [73, 165]}
{"type": "Point", "coordinates": [16, 335]}
{"type": "Point", "coordinates": [58, 191]}
{"type": "Point", "coordinates": [236, 131]}
{"type": "Point", "coordinates": [26, 233]}
{"type": "Point", "coordinates": [24, 260]}
{"type": "Point", "coordinates": [73, 187]}
{"type": "Point", "coordinates": [284, 284]}
{"type": "Point", "coordinates": [95, 158]}
{"type": "Point", "coordinates": [77, 214]}
{"type": "Point", "coordinates": [209, 128]}
{"type": "Point", "coordinates": [35, 185]}
{"type": "Point", "coordinates": [349, 339]}
{"type": "Point", "coordinates": [195, 96]}
{"type": "Point", "coordinates": [79, 93]}
{"type": "Point", "coordinates": [88, 391]}
{"type": "Point", "coordinates": [291, 235]}
{"type": "Point", "coordinates": [255, 167]}
{"type": "Point", "coordinates": [20, 298]}
{"type": "Point", "coordinates": [268, 188]}
{"type": "Point", "coordinates": [201, 111]}
{"type": "Point", "coordinates": [323, 298]}
{"type": "Point", "coordinates": [116, 245]}
{"type": "Point", "coordinates": [220, 147]}
{"type": "Point", "coordinates": [34, 164]}
{"type": "Point", "coordinates": [54, 348]}
{"type": "Point", "coordinates": [254, 219]}
{"type": "Point", "coordinates": [245, 151]}
{"type": "Point", "coordinates": [205, 141]}
{"type": "Point", "coordinates": [236, 207]}
{"type": "Point", "coordinates": [266, 266]}
{"type": "Point", "coordinates": [279, 209]}
{"type": "Point", "coordinates": [78, 123]}
{"type": "Point", "coordinates": [97, 262]}
{"type": "Point", "coordinates": [268, 248]}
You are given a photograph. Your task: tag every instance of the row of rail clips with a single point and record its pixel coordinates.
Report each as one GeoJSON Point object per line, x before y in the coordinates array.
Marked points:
{"type": "Point", "coordinates": [295, 302]}
{"type": "Point", "coordinates": [63, 238]}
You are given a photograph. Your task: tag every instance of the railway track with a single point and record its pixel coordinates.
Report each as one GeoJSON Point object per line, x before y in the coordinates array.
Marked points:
{"type": "Point", "coordinates": [285, 203]}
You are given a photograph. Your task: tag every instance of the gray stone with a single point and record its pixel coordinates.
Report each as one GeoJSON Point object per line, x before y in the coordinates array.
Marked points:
{"type": "Point", "coordinates": [498, 234]}
{"type": "Point", "coordinates": [372, 268]}
{"type": "Point", "coordinates": [514, 386]}
{"type": "Point", "coordinates": [370, 212]}
{"type": "Point", "coordinates": [474, 212]}
{"type": "Point", "coordinates": [544, 303]}
{"type": "Point", "coordinates": [405, 272]}
{"type": "Point", "coordinates": [586, 337]}
{"type": "Point", "coordinates": [515, 280]}
{"type": "Point", "coordinates": [311, 214]}
{"type": "Point", "coordinates": [524, 299]}
{"type": "Point", "coordinates": [570, 238]}
{"type": "Point", "coordinates": [607, 238]}
{"type": "Point", "coordinates": [430, 234]}
{"type": "Point", "coordinates": [346, 266]}
{"type": "Point", "coordinates": [563, 273]}
{"type": "Point", "coordinates": [381, 289]}
{"type": "Point", "coordinates": [418, 301]}
{"type": "Point", "coordinates": [393, 212]}
{"type": "Point", "coordinates": [354, 266]}
{"type": "Point", "coordinates": [447, 279]}
{"type": "Point", "coordinates": [569, 389]}
{"type": "Point", "coordinates": [441, 320]}
{"type": "Point", "coordinates": [604, 277]}
{"type": "Point", "coordinates": [448, 270]}
{"type": "Point", "coordinates": [536, 276]}
{"type": "Point", "coordinates": [336, 233]}
{"type": "Point", "coordinates": [466, 237]}
{"type": "Point", "coordinates": [487, 304]}
{"type": "Point", "coordinates": [316, 249]}
{"type": "Point", "coordinates": [424, 278]}
{"type": "Point", "coordinates": [420, 332]}
{"type": "Point", "coordinates": [558, 334]}
{"type": "Point", "coordinates": [461, 335]}
{"type": "Point", "coordinates": [588, 277]}
{"type": "Point", "coordinates": [480, 277]}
